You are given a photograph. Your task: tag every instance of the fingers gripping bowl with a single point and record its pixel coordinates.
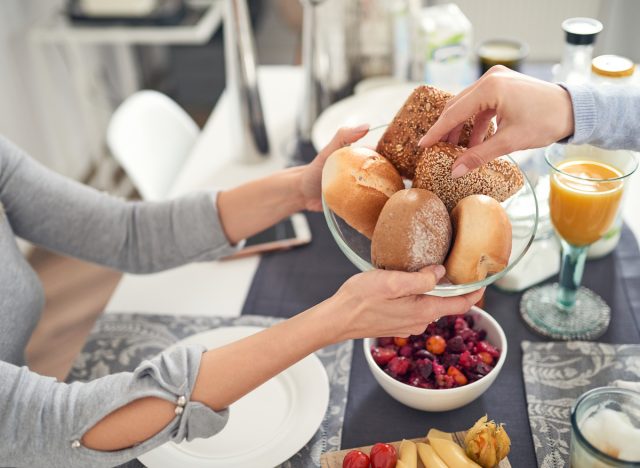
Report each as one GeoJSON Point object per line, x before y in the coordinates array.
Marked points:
{"type": "Point", "coordinates": [445, 399]}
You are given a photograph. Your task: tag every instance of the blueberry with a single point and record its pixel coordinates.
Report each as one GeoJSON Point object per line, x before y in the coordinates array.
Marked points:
{"type": "Point", "coordinates": [456, 344]}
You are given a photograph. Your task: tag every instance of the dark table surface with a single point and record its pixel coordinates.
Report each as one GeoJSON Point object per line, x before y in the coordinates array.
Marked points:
{"type": "Point", "coordinates": [289, 282]}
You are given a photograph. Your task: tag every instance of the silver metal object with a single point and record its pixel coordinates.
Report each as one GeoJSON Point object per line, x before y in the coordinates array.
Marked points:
{"type": "Point", "coordinates": [247, 119]}
{"type": "Point", "coordinates": [314, 98]}
{"type": "Point", "coordinates": [343, 41]}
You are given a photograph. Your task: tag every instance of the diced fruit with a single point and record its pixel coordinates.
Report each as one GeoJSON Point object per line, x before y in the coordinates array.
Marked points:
{"type": "Point", "coordinates": [456, 344]}
{"type": "Point", "coordinates": [400, 341]}
{"type": "Point", "coordinates": [383, 456]}
{"type": "Point", "coordinates": [382, 355]}
{"type": "Point", "coordinates": [425, 368]}
{"type": "Point", "coordinates": [486, 347]}
{"type": "Point", "coordinates": [399, 365]}
{"type": "Point", "coordinates": [356, 459]}
{"type": "Point", "coordinates": [449, 353]}
{"type": "Point", "coordinates": [436, 344]}
{"type": "Point", "coordinates": [485, 357]}
{"type": "Point", "coordinates": [385, 341]}
{"type": "Point", "coordinates": [458, 377]}
{"type": "Point", "coordinates": [406, 351]}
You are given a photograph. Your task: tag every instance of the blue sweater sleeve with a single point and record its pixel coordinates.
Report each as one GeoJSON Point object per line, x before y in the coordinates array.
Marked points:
{"type": "Point", "coordinates": [606, 116]}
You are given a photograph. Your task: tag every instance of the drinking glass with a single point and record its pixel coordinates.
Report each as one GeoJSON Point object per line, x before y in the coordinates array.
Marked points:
{"type": "Point", "coordinates": [605, 427]}
{"type": "Point", "coordinates": [587, 185]}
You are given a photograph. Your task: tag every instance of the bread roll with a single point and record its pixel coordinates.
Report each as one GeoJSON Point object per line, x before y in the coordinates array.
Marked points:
{"type": "Point", "coordinates": [356, 183]}
{"type": "Point", "coordinates": [482, 240]}
{"type": "Point", "coordinates": [413, 231]}
{"type": "Point", "coordinates": [399, 143]}
{"type": "Point", "coordinates": [499, 178]}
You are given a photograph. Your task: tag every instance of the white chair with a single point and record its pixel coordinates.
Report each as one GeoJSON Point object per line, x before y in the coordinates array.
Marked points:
{"type": "Point", "coordinates": [150, 136]}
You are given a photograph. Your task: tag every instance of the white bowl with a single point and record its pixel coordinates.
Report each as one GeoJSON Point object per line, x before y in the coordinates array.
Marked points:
{"type": "Point", "coordinates": [444, 399]}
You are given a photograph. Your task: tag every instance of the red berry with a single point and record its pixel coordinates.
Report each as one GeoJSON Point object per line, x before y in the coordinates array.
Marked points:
{"type": "Point", "coordinates": [355, 459]}
{"type": "Point", "coordinates": [382, 355]}
{"type": "Point", "coordinates": [400, 341]}
{"type": "Point", "coordinates": [385, 341]}
{"type": "Point", "coordinates": [484, 346]}
{"type": "Point", "coordinates": [399, 365]}
{"type": "Point", "coordinates": [383, 456]}
{"type": "Point", "coordinates": [406, 351]}
{"type": "Point", "coordinates": [436, 344]}
{"type": "Point", "coordinates": [458, 377]}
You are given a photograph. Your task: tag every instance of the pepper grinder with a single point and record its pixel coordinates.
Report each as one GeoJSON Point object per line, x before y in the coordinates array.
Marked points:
{"type": "Point", "coordinates": [249, 134]}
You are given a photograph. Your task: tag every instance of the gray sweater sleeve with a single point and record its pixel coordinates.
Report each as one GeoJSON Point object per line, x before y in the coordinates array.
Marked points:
{"type": "Point", "coordinates": [42, 420]}
{"type": "Point", "coordinates": [140, 237]}
{"type": "Point", "coordinates": [606, 116]}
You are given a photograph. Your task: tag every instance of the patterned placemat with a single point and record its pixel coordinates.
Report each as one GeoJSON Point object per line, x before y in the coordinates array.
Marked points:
{"type": "Point", "coordinates": [555, 374]}
{"type": "Point", "coordinates": [119, 342]}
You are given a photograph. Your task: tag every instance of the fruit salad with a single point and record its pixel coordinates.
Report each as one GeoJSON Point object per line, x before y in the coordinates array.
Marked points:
{"type": "Point", "coordinates": [449, 353]}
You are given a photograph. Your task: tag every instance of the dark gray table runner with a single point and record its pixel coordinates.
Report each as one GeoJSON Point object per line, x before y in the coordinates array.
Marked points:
{"type": "Point", "coordinates": [289, 282]}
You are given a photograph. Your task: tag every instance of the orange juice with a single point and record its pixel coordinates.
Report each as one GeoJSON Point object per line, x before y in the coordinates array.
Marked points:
{"type": "Point", "coordinates": [582, 211]}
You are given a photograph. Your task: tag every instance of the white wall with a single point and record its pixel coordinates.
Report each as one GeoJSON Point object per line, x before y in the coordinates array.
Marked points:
{"type": "Point", "coordinates": [41, 109]}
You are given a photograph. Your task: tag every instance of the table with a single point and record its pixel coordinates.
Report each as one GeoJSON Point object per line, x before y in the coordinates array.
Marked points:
{"type": "Point", "coordinates": [188, 290]}
{"type": "Point", "coordinates": [282, 284]}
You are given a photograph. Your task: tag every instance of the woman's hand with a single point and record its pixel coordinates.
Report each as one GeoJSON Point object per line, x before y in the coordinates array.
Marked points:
{"type": "Point", "coordinates": [530, 113]}
{"type": "Point", "coordinates": [393, 303]}
{"type": "Point", "coordinates": [311, 177]}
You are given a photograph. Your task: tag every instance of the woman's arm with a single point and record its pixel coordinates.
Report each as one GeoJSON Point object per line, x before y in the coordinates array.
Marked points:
{"type": "Point", "coordinates": [253, 207]}
{"type": "Point", "coordinates": [532, 113]}
{"type": "Point", "coordinates": [376, 303]}
{"type": "Point", "coordinates": [63, 215]}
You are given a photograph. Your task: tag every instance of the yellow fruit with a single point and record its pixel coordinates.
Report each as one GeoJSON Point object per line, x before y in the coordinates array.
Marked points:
{"type": "Point", "coordinates": [486, 443]}
{"type": "Point", "coordinates": [436, 434]}
{"type": "Point", "coordinates": [452, 454]}
{"type": "Point", "coordinates": [429, 457]}
{"type": "Point", "coordinates": [408, 454]}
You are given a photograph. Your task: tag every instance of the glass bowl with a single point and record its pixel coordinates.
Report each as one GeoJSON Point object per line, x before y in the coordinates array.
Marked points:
{"type": "Point", "coordinates": [522, 209]}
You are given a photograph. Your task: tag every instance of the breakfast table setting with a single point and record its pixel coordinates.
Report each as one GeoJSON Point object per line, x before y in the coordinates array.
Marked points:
{"type": "Point", "coordinates": [336, 399]}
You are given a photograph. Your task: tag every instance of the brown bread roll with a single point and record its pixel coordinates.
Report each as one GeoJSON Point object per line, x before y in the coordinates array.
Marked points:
{"type": "Point", "coordinates": [499, 178]}
{"type": "Point", "coordinates": [356, 183]}
{"type": "Point", "coordinates": [482, 240]}
{"type": "Point", "coordinates": [413, 231]}
{"type": "Point", "coordinates": [399, 143]}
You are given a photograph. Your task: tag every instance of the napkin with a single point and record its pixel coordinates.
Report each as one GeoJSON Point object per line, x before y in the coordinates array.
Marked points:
{"type": "Point", "coordinates": [555, 374]}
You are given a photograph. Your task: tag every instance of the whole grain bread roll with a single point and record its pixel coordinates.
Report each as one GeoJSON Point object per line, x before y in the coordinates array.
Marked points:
{"type": "Point", "coordinates": [413, 231]}
{"type": "Point", "coordinates": [481, 242]}
{"type": "Point", "coordinates": [356, 183]}
{"type": "Point", "coordinates": [399, 143]}
{"type": "Point", "coordinates": [499, 178]}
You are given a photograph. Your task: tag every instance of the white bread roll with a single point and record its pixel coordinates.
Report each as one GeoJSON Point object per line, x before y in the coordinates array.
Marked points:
{"type": "Point", "coordinates": [482, 239]}
{"type": "Point", "coordinates": [356, 183]}
{"type": "Point", "coordinates": [413, 231]}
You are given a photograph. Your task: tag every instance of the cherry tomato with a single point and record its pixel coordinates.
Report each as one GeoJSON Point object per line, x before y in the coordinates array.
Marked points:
{"type": "Point", "coordinates": [383, 456]}
{"type": "Point", "coordinates": [356, 459]}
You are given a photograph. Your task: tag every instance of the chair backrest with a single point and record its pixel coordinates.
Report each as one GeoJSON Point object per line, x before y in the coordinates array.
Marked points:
{"type": "Point", "coordinates": [150, 136]}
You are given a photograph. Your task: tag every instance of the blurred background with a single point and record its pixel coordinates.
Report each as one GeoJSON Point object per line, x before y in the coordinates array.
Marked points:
{"type": "Point", "coordinates": [67, 65]}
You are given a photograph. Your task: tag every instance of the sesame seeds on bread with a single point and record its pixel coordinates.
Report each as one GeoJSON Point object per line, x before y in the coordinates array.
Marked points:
{"type": "Point", "coordinates": [498, 179]}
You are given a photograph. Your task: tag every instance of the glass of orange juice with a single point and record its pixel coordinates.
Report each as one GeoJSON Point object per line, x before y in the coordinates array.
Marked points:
{"type": "Point", "coordinates": [587, 187]}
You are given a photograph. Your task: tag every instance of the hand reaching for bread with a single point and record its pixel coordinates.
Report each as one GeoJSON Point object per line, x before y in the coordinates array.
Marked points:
{"type": "Point", "coordinates": [531, 113]}
{"type": "Point", "coordinates": [311, 180]}
{"type": "Point", "coordinates": [411, 229]}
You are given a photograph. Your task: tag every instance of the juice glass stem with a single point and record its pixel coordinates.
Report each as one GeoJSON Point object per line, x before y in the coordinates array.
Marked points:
{"type": "Point", "coordinates": [571, 270]}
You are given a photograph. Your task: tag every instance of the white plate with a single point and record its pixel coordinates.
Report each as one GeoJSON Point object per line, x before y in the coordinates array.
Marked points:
{"type": "Point", "coordinates": [266, 427]}
{"type": "Point", "coordinates": [375, 107]}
